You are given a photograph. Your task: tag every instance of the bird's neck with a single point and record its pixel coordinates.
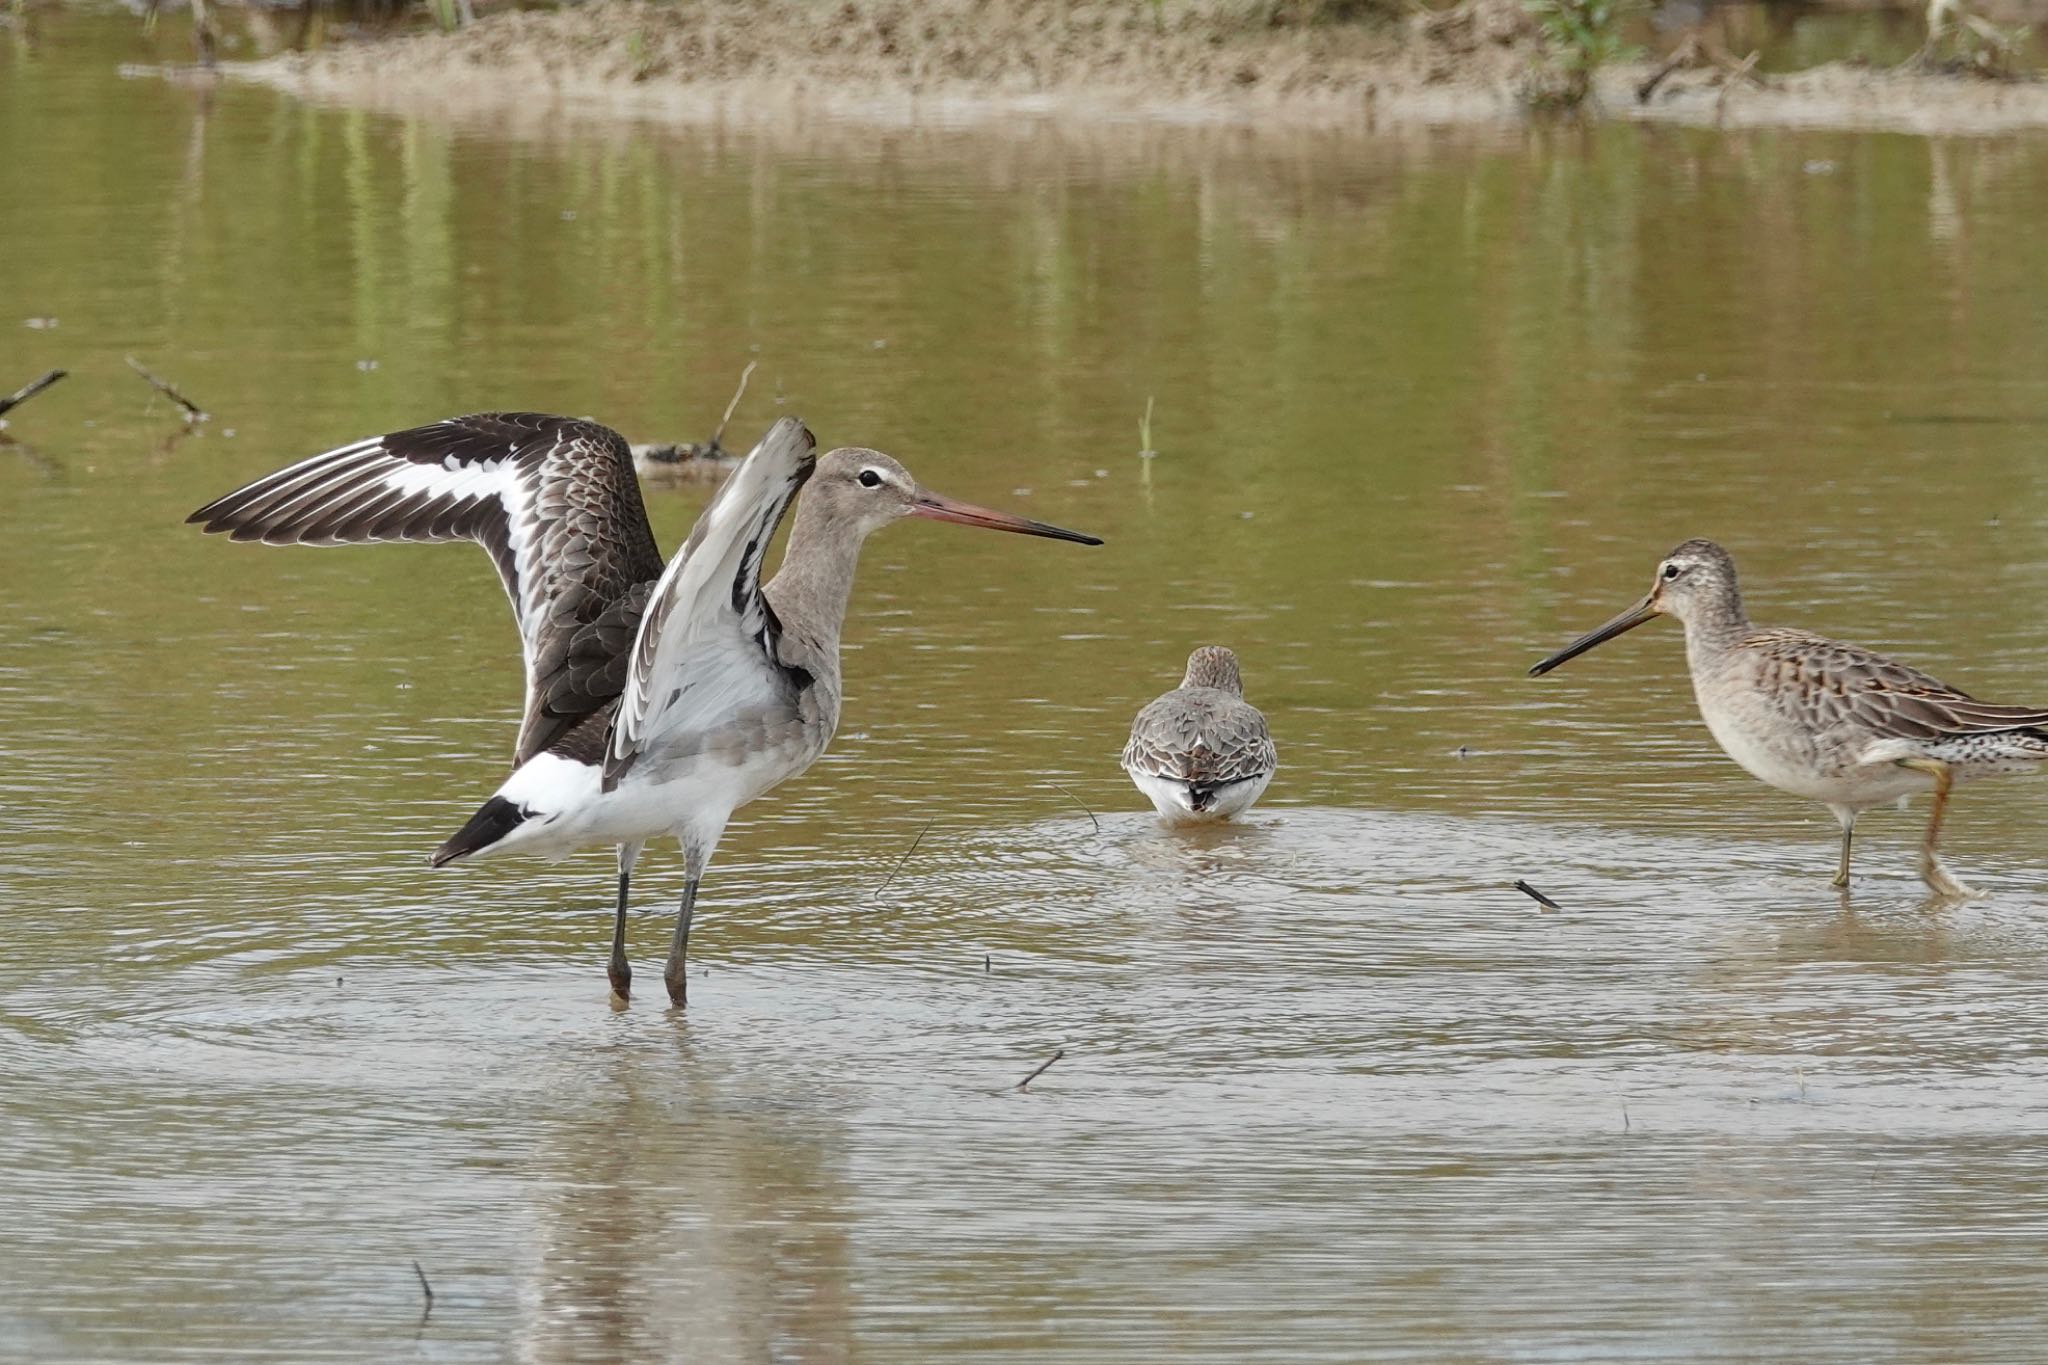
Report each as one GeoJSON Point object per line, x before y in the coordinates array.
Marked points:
{"type": "Point", "coordinates": [1713, 628]}
{"type": "Point", "coordinates": [810, 591]}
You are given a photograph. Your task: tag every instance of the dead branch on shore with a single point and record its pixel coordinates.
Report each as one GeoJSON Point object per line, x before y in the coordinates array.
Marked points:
{"type": "Point", "coordinates": [1981, 47]}
{"type": "Point", "coordinates": [30, 390]}
{"type": "Point", "coordinates": [193, 412]}
{"type": "Point", "coordinates": [205, 39]}
{"type": "Point", "coordinates": [1728, 83]}
{"type": "Point", "coordinates": [1697, 54]}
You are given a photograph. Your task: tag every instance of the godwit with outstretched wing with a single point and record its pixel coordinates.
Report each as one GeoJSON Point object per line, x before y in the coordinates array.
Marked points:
{"type": "Point", "coordinates": [658, 700]}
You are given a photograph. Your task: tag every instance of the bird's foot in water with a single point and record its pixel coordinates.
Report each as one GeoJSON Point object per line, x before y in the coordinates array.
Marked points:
{"type": "Point", "coordinates": [1943, 883]}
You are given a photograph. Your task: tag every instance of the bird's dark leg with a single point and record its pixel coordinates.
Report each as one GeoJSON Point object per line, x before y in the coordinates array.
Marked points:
{"type": "Point", "coordinates": [698, 845]}
{"type": "Point", "coordinates": [1848, 819]}
{"type": "Point", "coordinates": [678, 988]}
{"type": "Point", "coordinates": [1937, 876]}
{"type": "Point", "coordinates": [620, 970]}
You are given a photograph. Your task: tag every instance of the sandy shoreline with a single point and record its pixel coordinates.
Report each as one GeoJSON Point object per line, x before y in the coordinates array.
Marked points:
{"type": "Point", "coordinates": [956, 64]}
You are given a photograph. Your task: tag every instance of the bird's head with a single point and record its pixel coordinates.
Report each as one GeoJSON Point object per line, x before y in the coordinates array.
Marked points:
{"type": "Point", "coordinates": [1695, 582]}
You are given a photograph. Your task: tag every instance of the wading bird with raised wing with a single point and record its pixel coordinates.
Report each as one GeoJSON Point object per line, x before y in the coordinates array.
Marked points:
{"type": "Point", "coordinates": [659, 700]}
{"type": "Point", "coordinates": [1832, 722]}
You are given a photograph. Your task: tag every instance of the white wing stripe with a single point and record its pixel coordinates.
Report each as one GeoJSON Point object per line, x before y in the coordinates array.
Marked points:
{"type": "Point", "coordinates": [414, 484]}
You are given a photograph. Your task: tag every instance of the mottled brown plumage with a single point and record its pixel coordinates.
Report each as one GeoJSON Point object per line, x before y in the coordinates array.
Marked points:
{"type": "Point", "coordinates": [1834, 722]}
{"type": "Point", "coordinates": [1827, 684]}
{"type": "Point", "coordinates": [1201, 752]}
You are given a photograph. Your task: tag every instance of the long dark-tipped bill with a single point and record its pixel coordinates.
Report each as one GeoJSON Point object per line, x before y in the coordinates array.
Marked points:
{"type": "Point", "coordinates": [967, 514]}
{"type": "Point", "coordinates": [1620, 625]}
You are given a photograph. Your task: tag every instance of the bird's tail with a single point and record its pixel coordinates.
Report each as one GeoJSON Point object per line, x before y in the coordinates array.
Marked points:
{"type": "Point", "coordinates": [534, 812]}
{"type": "Point", "coordinates": [493, 821]}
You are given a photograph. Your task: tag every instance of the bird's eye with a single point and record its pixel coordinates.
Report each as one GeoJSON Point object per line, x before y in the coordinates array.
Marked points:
{"type": "Point", "coordinates": [1670, 572]}
{"type": "Point", "coordinates": [870, 479]}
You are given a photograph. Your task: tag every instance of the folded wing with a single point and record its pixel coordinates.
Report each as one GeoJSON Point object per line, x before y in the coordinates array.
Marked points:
{"type": "Point", "coordinates": [1202, 737]}
{"type": "Point", "coordinates": [1883, 693]}
{"type": "Point", "coordinates": [553, 499]}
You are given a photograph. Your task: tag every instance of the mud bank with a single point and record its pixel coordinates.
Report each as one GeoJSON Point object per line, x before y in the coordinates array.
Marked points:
{"type": "Point", "coordinates": [960, 63]}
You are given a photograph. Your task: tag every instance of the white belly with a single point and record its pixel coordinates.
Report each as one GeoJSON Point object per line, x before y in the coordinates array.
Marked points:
{"type": "Point", "coordinates": [567, 808]}
{"type": "Point", "coordinates": [1176, 807]}
{"type": "Point", "coordinates": [1792, 759]}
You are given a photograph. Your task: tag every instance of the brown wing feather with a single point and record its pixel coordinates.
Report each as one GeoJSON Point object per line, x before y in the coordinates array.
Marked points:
{"type": "Point", "coordinates": [1201, 736]}
{"type": "Point", "coordinates": [552, 499]}
{"type": "Point", "coordinates": [1881, 694]}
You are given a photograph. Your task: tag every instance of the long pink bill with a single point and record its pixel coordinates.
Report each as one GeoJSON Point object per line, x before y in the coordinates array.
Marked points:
{"type": "Point", "coordinates": [927, 504]}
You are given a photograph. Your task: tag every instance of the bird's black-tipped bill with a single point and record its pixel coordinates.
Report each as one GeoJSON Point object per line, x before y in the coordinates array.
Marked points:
{"type": "Point", "coordinates": [1620, 625]}
{"type": "Point", "coordinates": [967, 514]}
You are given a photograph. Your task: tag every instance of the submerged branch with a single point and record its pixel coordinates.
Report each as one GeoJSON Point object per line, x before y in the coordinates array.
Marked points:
{"type": "Point", "coordinates": [904, 859]}
{"type": "Point", "coordinates": [1043, 1067]}
{"type": "Point", "coordinates": [1083, 805]}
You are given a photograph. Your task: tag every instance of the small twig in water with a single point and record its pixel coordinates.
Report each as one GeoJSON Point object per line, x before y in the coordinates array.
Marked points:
{"type": "Point", "coordinates": [651, 454]}
{"type": "Point", "coordinates": [1145, 450]}
{"type": "Point", "coordinates": [904, 859]}
{"type": "Point", "coordinates": [1043, 1067]}
{"type": "Point", "coordinates": [425, 1288]}
{"type": "Point", "coordinates": [1533, 894]}
{"type": "Point", "coordinates": [1624, 1116]}
{"type": "Point", "coordinates": [987, 964]}
{"type": "Point", "coordinates": [1084, 807]}
{"type": "Point", "coordinates": [30, 390]}
{"type": "Point", "coordinates": [193, 412]}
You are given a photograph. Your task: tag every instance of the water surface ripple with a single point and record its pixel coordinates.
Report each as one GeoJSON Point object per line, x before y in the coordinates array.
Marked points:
{"type": "Point", "coordinates": [1330, 1088]}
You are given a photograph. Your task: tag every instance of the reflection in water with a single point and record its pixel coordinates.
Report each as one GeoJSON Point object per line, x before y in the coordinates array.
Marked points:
{"type": "Point", "coordinates": [1421, 407]}
{"type": "Point", "coordinates": [687, 1218]}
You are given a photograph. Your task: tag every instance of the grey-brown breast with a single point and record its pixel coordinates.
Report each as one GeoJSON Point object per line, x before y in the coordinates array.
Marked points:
{"type": "Point", "coordinates": [1202, 736]}
{"type": "Point", "coordinates": [553, 499]}
{"type": "Point", "coordinates": [1827, 684]}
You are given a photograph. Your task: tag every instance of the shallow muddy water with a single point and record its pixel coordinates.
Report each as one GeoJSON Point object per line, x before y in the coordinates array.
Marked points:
{"type": "Point", "coordinates": [1330, 1089]}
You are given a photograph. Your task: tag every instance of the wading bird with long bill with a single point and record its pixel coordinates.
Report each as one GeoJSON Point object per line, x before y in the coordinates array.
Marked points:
{"type": "Point", "coordinates": [1829, 721]}
{"type": "Point", "coordinates": [659, 700]}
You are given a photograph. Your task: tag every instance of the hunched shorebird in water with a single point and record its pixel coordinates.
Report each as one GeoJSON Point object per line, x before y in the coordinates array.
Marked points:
{"type": "Point", "coordinates": [1201, 752]}
{"type": "Point", "coordinates": [658, 700]}
{"type": "Point", "coordinates": [1829, 721]}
